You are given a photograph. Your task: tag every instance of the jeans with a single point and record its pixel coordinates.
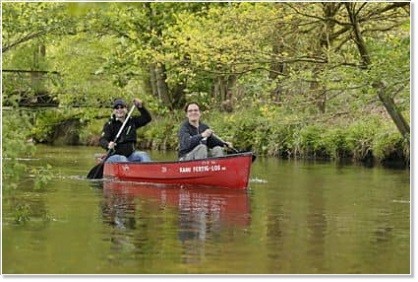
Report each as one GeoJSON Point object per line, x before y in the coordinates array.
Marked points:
{"type": "Point", "coordinates": [137, 156]}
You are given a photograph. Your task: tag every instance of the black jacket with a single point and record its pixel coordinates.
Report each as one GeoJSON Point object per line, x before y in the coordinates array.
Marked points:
{"type": "Point", "coordinates": [127, 139]}
{"type": "Point", "coordinates": [191, 136]}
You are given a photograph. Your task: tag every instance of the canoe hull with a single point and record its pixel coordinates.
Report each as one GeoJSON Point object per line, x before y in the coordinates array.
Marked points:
{"type": "Point", "coordinates": [231, 171]}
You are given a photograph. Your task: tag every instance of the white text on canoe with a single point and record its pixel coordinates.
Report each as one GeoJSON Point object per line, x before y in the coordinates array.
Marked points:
{"type": "Point", "coordinates": [201, 168]}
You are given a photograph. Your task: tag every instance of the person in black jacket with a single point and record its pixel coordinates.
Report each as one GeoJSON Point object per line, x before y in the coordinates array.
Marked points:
{"type": "Point", "coordinates": [196, 139]}
{"type": "Point", "coordinates": [124, 147]}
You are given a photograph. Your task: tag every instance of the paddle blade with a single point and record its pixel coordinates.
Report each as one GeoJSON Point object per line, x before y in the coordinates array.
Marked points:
{"type": "Point", "coordinates": [96, 172]}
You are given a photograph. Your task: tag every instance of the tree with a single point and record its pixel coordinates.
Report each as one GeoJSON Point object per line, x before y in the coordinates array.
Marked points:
{"type": "Point", "coordinates": [357, 15]}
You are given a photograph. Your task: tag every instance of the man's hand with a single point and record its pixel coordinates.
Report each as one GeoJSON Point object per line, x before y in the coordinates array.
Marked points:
{"type": "Point", "coordinates": [207, 133]}
{"type": "Point", "coordinates": [111, 145]}
{"type": "Point", "coordinates": [138, 103]}
{"type": "Point", "coordinates": [228, 144]}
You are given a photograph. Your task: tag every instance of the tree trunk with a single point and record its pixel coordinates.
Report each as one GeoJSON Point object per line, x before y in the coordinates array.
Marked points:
{"type": "Point", "coordinates": [391, 108]}
{"type": "Point", "coordinates": [276, 68]}
{"type": "Point", "coordinates": [178, 99]}
{"type": "Point", "coordinates": [161, 84]}
{"type": "Point", "coordinates": [37, 78]}
{"type": "Point", "coordinates": [223, 91]}
{"type": "Point", "coordinates": [153, 81]}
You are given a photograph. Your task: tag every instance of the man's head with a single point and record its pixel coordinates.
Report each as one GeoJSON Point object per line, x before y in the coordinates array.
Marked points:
{"type": "Point", "coordinates": [119, 108]}
{"type": "Point", "coordinates": [192, 110]}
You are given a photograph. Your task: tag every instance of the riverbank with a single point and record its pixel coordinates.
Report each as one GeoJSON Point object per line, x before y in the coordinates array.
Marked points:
{"type": "Point", "coordinates": [369, 139]}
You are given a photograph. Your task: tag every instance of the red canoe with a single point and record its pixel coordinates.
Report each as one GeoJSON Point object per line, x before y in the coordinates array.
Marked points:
{"type": "Point", "coordinates": [231, 171]}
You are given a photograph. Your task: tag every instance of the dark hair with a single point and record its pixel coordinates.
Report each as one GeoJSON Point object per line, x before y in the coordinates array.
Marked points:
{"type": "Point", "coordinates": [190, 103]}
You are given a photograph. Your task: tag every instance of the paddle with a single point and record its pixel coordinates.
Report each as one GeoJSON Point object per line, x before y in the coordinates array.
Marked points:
{"type": "Point", "coordinates": [232, 148]}
{"type": "Point", "coordinates": [97, 171]}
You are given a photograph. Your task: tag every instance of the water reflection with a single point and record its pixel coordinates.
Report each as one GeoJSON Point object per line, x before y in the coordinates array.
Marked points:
{"type": "Point", "coordinates": [195, 214]}
{"type": "Point", "coordinates": [118, 209]}
{"type": "Point", "coordinates": [317, 225]}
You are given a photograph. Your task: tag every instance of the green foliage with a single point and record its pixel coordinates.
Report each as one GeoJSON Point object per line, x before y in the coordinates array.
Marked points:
{"type": "Point", "coordinates": [43, 176]}
{"type": "Point", "coordinates": [91, 85]}
{"type": "Point", "coordinates": [280, 140]}
{"type": "Point", "coordinates": [360, 136]}
{"type": "Point", "coordinates": [244, 127]}
{"type": "Point", "coordinates": [336, 143]}
{"type": "Point", "coordinates": [47, 123]}
{"type": "Point", "coordinates": [387, 142]}
{"type": "Point", "coordinates": [16, 150]}
{"type": "Point", "coordinates": [15, 146]}
{"type": "Point", "coordinates": [308, 141]}
{"type": "Point", "coordinates": [23, 22]}
{"type": "Point", "coordinates": [162, 133]}
{"type": "Point", "coordinates": [43, 127]}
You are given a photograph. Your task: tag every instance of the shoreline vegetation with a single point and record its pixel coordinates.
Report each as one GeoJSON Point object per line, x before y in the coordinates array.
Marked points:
{"type": "Point", "coordinates": [370, 139]}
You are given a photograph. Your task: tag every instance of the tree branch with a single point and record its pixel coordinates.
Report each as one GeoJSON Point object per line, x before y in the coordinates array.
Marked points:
{"type": "Point", "coordinates": [23, 39]}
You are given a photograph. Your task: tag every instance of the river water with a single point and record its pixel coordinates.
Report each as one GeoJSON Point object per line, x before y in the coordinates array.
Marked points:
{"type": "Point", "coordinates": [295, 218]}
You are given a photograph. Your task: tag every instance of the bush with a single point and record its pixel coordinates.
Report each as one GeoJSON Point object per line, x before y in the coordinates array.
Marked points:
{"type": "Point", "coordinates": [309, 142]}
{"type": "Point", "coordinates": [389, 143]}
{"type": "Point", "coordinates": [360, 136]}
{"type": "Point", "coordinates": [336, 144]}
